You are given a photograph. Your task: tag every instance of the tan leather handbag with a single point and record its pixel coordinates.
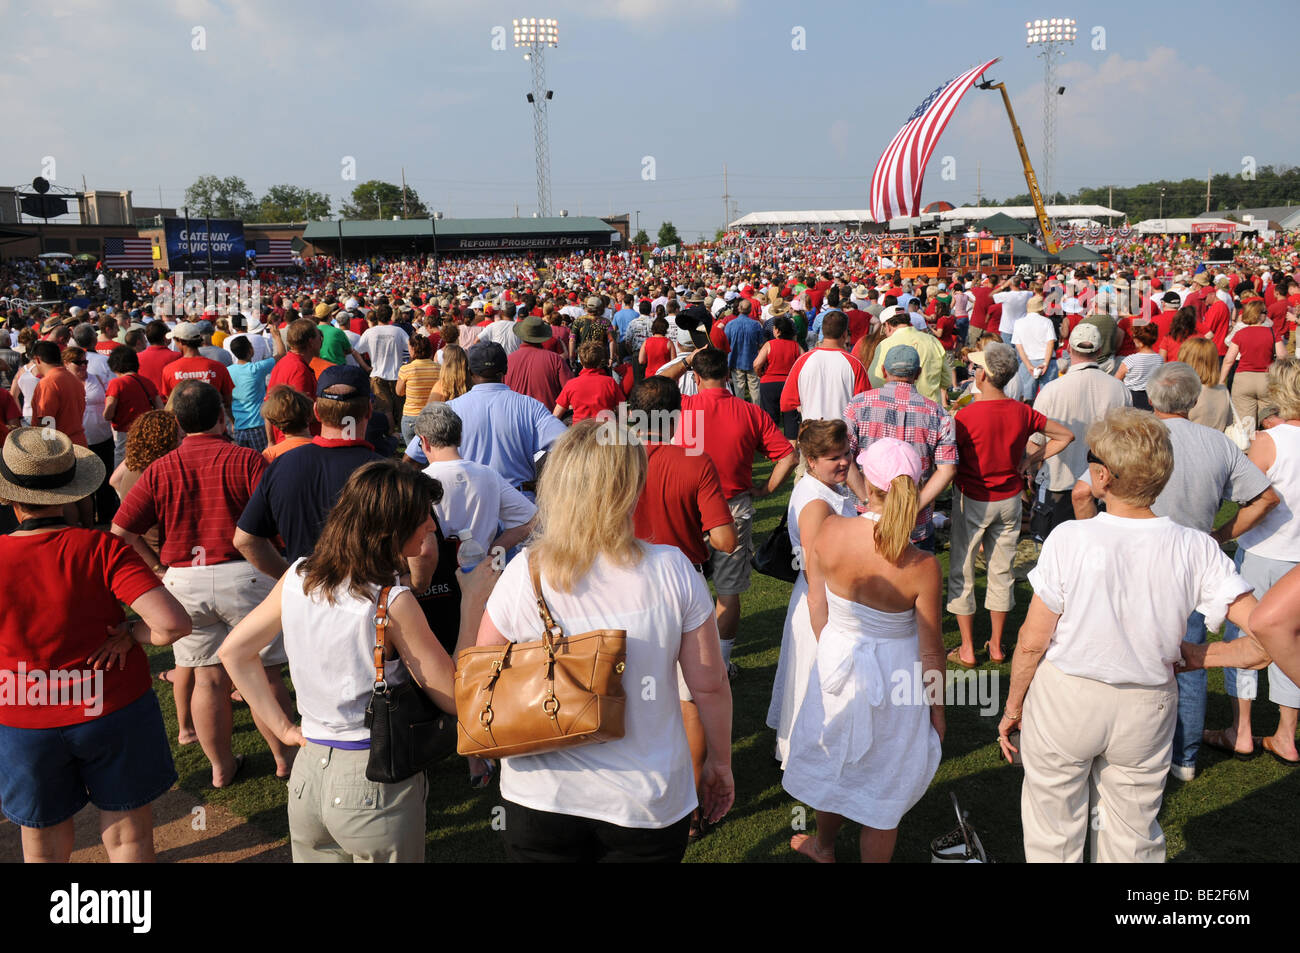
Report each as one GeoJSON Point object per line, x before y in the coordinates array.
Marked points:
{"type": "Point", "coordinates": [530, 697]}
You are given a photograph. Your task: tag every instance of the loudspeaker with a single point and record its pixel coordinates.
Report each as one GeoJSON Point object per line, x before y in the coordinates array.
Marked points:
{"type": "Point", "coordinates": [49, 290]}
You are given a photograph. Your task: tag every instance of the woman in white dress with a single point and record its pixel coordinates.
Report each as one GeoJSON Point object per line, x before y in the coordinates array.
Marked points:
{"type": "Point", "coordinates": [819, 494]}
{"type": "Point", "coordinates": [866, 740]}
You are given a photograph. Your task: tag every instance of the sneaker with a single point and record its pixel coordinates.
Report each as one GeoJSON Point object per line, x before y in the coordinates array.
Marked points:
{"type": "Point", "coordinates": [733, 671]}
{"type": "Point", "coordinates": [1183, 772]}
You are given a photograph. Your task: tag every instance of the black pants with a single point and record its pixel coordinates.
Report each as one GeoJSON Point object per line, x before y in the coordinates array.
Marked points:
{"type": "Point", "coordinates": [769, 398]}
{"type": "Point", "coordinates": [106, 501]}
{"type": "Point", "coordinates": [540, 837]}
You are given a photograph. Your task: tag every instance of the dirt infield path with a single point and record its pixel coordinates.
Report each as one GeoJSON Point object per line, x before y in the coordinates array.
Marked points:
{"type": "Point", "coordinates": [186, 831]}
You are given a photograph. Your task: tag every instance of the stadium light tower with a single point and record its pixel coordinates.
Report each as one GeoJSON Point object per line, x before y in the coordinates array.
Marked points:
{"type": "Point", "coordinates": [1050, 36]}
{"type": "Point", "coordinates": [535, 35]}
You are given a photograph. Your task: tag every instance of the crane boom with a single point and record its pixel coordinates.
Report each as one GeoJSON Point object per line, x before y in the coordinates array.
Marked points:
{"type": "Point", "coordinates": [1030, 179]}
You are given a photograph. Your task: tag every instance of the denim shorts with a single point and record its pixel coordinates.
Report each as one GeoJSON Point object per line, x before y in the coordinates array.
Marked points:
{"type": "Point", "coordinates": [120, 761]}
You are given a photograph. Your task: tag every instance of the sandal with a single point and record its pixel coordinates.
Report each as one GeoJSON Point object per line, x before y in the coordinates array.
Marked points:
{"type": "Point", "coordinates": [1218, 740]}
{"type": "Point", "coordinates": [955, 657]}
{"type": "Point", "coordinates": [167, 676]}
{"type": "Point", "coordinates": [1267, 744]}
{"type": "Point", "coordinates": [989, 652]}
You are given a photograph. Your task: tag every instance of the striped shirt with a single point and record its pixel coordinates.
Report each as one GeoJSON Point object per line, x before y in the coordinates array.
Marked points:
{"type": "Point", "coordinates": [420, 376]}
{"type": "Point", "coordinates": [195, 494]}
{"type": "Point", "coordinates": [897, 410]}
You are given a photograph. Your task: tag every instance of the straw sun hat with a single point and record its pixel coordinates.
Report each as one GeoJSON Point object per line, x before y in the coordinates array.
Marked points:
{"type": "Point", "coordinates": [41, 467]}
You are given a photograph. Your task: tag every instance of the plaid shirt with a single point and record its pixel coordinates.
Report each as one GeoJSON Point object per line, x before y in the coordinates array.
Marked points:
{"type": "Point", "coordinates": [897, 410]}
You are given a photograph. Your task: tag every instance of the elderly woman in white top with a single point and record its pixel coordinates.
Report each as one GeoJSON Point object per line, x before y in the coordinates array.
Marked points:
{"type": "Point", "coordinates": [628, 799]}
{"type": "Point", "coordinates": [1092, 679]}
{"type": "Point", "coordinates": [820, 493]}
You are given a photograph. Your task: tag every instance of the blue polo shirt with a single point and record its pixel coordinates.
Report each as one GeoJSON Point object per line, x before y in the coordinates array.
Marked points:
{"type": "Point", "coordinates": [297, 492]}
{"type": "Point", "coordinates": [622, 319]}
{"type": "Point", "coordinates": [250, 390]}
{"type": "Point", "coordinates": [500, 429]}
{"type": "Point", "coordinates": [745, 337]}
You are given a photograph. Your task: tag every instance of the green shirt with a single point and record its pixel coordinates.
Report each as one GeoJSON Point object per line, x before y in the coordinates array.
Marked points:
{"type": "Point", "coordinates": [334, 344]}
{"type": "Point", "coordinates": [928, 349]}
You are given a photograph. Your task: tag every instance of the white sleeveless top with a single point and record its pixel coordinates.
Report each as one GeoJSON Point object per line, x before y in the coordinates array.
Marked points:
{"type": "Point", "coordinates": [1277, 536]}
{"type": "Point", "coordinates": [331, 658]}
{"type": "Point", "coordinates": [808, 489]}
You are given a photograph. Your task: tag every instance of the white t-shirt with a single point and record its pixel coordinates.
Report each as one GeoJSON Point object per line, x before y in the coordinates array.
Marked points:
{"type": "Point", "coordinates": [502, 332]}
{"type": "Point", "coordinates": [1120, 626]}
{"type": "Point", "coordinates": [386, 345]}
{"type": "Point", "coordinates": [644, 779]}
{"type": "Point", "coordinates": [1034, 332]}
{"type": "Point", "coordinates": [261, 347]}
{"type": "Point", "coordinates": [1013, 308]}
{"type": "Point", "coordinates": [478, 499]}
{"type": "Point", "coordinates": [808, 489]}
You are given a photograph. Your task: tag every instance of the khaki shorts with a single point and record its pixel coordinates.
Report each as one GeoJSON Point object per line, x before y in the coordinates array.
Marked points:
{"type": "Point", "coordinates": [731, 571]}
{"type": "Point", "coordinates": [217, 598]}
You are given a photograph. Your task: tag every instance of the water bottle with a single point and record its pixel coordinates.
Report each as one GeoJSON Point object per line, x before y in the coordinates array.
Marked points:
{"type": "Point", "coordinates": [469, 553]}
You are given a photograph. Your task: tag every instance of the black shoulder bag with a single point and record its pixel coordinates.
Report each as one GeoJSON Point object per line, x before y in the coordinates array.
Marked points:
{"type": "Point", "coordinates": [775, 557]}
{"type": "Point", "coordinates": [408, 732]}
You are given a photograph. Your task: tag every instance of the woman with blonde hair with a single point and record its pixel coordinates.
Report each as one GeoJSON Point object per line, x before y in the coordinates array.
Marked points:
{"type": "Point", "coordinates": [1092, 679]}
{"type": "Point", "coordinates": [1214, 408]}
{"type": "Point", "coordinates": [630, 799]}
{"type": "Point", "coordinates": [821, 492]}
{"type": "Point", "coordinates": [865, 746]}
{"type": "Point", "coordinates": [453, 378]}
{"type": "Point", "coordinates": [1252, 348]}
{"type": "Point", "coordinates": [1265, 553]}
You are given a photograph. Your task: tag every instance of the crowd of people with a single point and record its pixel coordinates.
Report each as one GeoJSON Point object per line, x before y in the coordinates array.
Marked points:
{"type": "Point", "coordinates": [450, 443]}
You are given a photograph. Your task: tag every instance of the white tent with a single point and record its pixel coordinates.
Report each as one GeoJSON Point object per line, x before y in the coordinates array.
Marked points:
{"type": "Point", "coordinates": [1027, 213]}
{"type": "Point", "coordinates": [1186, 226]}
{"type": "Point", "coordinates": [807, 217]}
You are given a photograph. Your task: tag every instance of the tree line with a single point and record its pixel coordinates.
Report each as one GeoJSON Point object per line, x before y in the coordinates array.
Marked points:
{"type": "Point", "coordinates": [1167, 198]}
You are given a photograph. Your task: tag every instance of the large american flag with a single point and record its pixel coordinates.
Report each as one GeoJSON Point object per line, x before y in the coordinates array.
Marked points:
{"type": "Point", "coordinates": [896, 183]}
{"type": "Point", "coordinates": [128, 253]}
{"type": "Point", "coordinates": [273, 252]}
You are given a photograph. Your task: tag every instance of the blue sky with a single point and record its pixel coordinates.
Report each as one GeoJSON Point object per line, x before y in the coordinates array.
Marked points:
{"type": "Point", "coordinates": [285, 90]}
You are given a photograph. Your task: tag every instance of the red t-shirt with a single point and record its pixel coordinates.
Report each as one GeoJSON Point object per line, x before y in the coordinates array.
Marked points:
{"type": "Point", "coordinates": [1255, 342]}
{"type": "Point", "coordinates": [1127, 343]}
{"type": "Point", "coordinates": [658, 352]}
{"type": "Point", "coordinates": [781, 358]}
{"type": "Point", "coordinates": [195, 494]}
{"type": "Point", "coordinates": [294, 371]}
{"type": "Point", "coordinates": [947, 328]}
{"type": "Point", "coordinates": [537, 372]}
{"type": "Point", "coordinates": [993, 319]}
{"type": "Point", "coordinates": [1169, 346]}
{"type": "Point", "coordinates": [135, 395]}
{"type": "Point", "coordinates": [980, 308]}
{"type": "Point", "coordinates": [859, 325]}
{"type": "Point", "coordinates": [682, 501]}
{"type": "Point", "coordinates": [60, 396]}
{"type": "Point", "coordinates": [8, 409]}
{"type": "Point", "coordinates": [152, 361]}
{"type": "Point", "coordinates": [106, 347]}
{"type": "Point", "coordinates": [592, 391]}
{"type": "Point", "coordinates": [718, 337]}
{"type": "Point", "coordinates": [730, 431]}
{"type": "Point", "coordinates": [991, 437]}
{"type": "Point", "coordinates": [197, 369]}
{"type": "Point", "coordinates": [1217, 320]}
{"type": "Point", "coordinates": [45, 632]}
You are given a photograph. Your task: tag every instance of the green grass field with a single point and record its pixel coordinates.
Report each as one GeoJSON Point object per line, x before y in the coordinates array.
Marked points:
{"type": "Point", "coordinates": [1233, 811]}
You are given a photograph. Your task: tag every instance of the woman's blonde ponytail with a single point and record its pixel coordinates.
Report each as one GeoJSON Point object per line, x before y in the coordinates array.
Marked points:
{"type": "Point", "coordinates": [894, 529]}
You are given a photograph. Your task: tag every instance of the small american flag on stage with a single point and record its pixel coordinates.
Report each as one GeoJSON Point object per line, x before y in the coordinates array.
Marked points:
{"type": "Point", "coordinates": [896, 183]}
{"type": "Point", "coordinates": [128, 253]}
{"type": "Point", "coordinates": [273, 252]}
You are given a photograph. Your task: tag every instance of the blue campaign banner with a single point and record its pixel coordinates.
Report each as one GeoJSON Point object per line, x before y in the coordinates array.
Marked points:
{"type": "Point", "coordinates": [187, 249]}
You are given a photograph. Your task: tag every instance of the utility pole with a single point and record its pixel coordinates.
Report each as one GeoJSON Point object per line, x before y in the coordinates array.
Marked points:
{"type": "Point", "coordinates": [403, 191]}
{"type": "Point", "coordinates": [1110, 203]}
{"type": "Point", "coordinates": [726, 196]}
{"type": "Point", "coordinates": [979, 180]}
{"type": "Point", "coordinates": [1207, 190]}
